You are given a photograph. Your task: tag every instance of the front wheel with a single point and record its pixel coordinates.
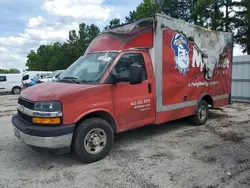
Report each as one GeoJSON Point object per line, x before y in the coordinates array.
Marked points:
{"type": "Point", "coordinates": [201, 113]}
{"type": "Point", "coordinates": [93, 139]}
{"type": "Point", "coordinates": [16, 90]}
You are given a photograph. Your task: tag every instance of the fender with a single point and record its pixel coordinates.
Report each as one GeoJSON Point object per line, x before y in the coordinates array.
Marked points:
{"type": "Point", "coordinates": [94, 111]}
{"type": "Point", "coordinates": [200, 98]}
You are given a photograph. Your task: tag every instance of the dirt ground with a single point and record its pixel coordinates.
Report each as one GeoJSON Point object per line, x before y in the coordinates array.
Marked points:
{"type": "Point", "coordinates": [176, 154]}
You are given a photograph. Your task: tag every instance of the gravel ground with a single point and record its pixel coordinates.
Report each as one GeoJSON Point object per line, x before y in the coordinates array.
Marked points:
{"type": "Point", "coordinates": [175, 154]}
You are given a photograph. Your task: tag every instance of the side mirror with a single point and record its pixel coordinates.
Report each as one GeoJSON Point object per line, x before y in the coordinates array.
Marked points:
{"type": "Point", "coordinates": [135, 76]}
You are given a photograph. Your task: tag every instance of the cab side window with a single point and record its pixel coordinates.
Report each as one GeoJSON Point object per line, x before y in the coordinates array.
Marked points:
{"type": "Point", "coordinates": [122, 68]}
{"type": "Point", "coordinates": [3, 79]}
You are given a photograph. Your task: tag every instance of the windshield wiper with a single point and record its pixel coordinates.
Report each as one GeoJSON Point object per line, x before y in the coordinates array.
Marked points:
{"type": "Point", "coordinates": [70, 79]}
{"type": "Point", "coordinates": [85, 81]}
{"type": "Point", "coordinates": [75, 80]}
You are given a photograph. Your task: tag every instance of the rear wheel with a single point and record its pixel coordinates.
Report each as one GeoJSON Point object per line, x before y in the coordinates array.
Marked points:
{"type": "Point", "coordinates": [201, 113]}
{"type": "Point", "coordinates": [16, 90]}
{"type": "Point", "coordinates": [93, 139]}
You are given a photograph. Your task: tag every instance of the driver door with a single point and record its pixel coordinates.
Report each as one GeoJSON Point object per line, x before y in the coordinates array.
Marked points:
{"type": "Point", "coordinates": [133, 104]}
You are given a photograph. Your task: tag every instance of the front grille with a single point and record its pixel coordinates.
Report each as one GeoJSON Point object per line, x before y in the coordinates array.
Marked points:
{"type": "Point", "coordinates": [29, 105]}
{"type": "Point", "coordinates": [25, 117]}
{"type": "Point", "coordinates": [26, 103]}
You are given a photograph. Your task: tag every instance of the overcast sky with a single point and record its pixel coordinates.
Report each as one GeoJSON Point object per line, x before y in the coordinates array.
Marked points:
{"type": "Point", "coordinates": [26, 24]}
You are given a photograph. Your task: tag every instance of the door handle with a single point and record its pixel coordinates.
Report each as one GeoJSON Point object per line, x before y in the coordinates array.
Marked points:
{"type": "Point", "coordinates": [149, 88]}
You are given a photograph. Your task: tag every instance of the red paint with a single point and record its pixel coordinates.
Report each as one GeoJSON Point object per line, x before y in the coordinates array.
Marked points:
{"type": "Point", "coordinates": [175, 86]}
{"type": "Point", "coordinates": [174, 114]}
{"type": "Point", "coordinates": [79, 100]}
{"type": "Point", "coordinates": [125, 93]}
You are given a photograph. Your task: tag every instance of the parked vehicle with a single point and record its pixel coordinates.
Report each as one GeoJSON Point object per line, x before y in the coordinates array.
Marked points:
{"type": "Point", "coordinates": [33, 77]}
{"type": "Point", "coordinates": [27, 76]}
{"type": "Point", "coordinates": [148, 72]}
{"type": "Point", "coordinates": [52, 77]}
{"type": "Point", "coordinates": [10, 83]}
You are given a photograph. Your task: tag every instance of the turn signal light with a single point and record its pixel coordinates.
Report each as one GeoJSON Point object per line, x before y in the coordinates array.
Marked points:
{"type": "Point", "coordinates": [49, 121]}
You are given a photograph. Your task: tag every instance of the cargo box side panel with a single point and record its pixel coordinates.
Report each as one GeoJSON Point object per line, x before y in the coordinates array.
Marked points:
{"type": "Point", "coordinates": [190, 61]}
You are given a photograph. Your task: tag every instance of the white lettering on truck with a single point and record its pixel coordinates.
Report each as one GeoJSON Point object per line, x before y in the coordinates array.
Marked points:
{"type": "Point", "coordinates": [197, 58]}
{"type": "Point", "coordinates": [142, 105]}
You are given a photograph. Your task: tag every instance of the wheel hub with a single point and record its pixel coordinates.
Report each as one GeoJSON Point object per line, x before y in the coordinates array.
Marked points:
{"type": "Point", "coordinates": [95, 141]}
{"type": "Point", "coordinates": [202, 112]}
{"type": "Point", "coordinates": [16, 91]}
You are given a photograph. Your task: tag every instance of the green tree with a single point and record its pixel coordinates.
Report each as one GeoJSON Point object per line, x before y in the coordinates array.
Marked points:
{"type": "Point", "coordinates": [242, 25]}
{"type": "Point", "coordinates": [146, 9]}
{"type": "Point", "coordinates": [9, 71]}
{"type": "Point", "coordinates": [59, 56]}
{"type": "Point", "coordinates": [113, 23]}
{"type": "Point", "coordinates": [73, 37]}
{"type": "Point", "coordinates": [207, 13]}
{"type": "Point", "coordinates": [92, 32]}
{"type": "Point", "coordinates": [214, 14]}
{"type": "Point", "coordinates": [33, 61]}
{"type": "Point", "coordinates": [82, 40]}
{"type": "Point", "coordinates": [13, 70]}
{"type": "Point", "coordinates": [179, 9]}
{"type": "Point", "coordinates": [228, 20]}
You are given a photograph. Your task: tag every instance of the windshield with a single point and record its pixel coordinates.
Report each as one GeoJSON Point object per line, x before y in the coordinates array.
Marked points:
{"type": "Point", "coordinates": [88, 68]}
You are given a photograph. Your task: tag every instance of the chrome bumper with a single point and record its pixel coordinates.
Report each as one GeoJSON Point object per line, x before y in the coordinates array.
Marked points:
{"type": "Point", "coordinates": [45, 142]}
{"type": "Point", "coordinates": [41, 138]}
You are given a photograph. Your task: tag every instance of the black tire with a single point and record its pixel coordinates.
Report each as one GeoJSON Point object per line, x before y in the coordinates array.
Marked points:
{"type": "Point", "coordinates": [83, 130]}
{"type": "Point", "coordinates": [16, 90]}
{"type": "Point", "coordinates": [201, 113]}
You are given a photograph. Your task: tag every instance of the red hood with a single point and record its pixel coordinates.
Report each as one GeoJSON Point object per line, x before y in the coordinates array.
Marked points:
{"type": "Point", "coordinates": [52, 91]}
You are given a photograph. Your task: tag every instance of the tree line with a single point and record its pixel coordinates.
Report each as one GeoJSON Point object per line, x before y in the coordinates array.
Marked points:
{"type": "Point", "coordinates": [220, 15]}
{"type": "Point", "coordinates": [9, 71]}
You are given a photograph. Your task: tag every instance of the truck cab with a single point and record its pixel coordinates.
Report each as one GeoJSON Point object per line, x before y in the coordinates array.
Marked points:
{"type": "Point", "coordinates": [131, 76]}
{"type": "Point", "coordinates": [110, 89]}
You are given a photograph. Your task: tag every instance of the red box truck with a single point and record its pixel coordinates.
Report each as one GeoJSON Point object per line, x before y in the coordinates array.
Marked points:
{"type": "Point", "coordinates": [148, 72]}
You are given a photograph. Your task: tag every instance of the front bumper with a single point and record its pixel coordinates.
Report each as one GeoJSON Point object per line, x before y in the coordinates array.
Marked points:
{"type": "Point", "coordinates": [43, 137]}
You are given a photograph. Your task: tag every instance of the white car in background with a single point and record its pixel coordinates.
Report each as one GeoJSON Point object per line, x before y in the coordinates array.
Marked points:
{"type": "Point", "coordinates": [10, 83]}
{"type": "Point", "coordinates": [52, 77]}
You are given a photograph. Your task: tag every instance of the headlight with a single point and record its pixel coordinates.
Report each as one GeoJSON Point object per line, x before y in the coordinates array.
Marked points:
{"type": "Point", "coordinates": [53, 106]}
